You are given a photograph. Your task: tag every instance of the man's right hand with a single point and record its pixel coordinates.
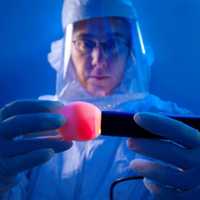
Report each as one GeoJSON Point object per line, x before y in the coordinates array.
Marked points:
{"type": "Point", "coordinates": [26, 138]}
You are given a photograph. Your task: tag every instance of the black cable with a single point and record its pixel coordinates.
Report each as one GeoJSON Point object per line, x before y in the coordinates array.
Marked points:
{"type": "Point", "coordinates": [120, 180]}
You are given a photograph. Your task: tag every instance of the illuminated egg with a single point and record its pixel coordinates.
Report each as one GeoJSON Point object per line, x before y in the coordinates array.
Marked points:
{"type": "Point", "coordinates": [83, 121]}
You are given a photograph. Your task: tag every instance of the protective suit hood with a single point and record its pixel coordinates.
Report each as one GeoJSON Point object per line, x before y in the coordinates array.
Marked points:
{"type": "Point", "coordinates": [77, 10]}
{"type": "Point", "coordinates": [136, 80]}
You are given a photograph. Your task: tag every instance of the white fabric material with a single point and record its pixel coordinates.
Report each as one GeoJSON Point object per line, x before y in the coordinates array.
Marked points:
{"type": "Point", "coordinates": [55, 56]}
{"type": "Point", "coordinates": [76, 10]}
{"type": "Point", "coordinates": [86, 171]}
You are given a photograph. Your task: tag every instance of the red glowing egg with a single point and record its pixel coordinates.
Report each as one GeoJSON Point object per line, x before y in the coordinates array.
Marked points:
{"type": "Point", "coordinates": [83, 121]}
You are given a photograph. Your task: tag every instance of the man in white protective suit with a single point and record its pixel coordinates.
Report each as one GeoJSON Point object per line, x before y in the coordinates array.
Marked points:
{"type": "Point", "coordinates": [102, 59]}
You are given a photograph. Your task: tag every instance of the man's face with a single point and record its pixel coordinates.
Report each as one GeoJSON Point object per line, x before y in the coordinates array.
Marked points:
{"type": "Point", "coordinates": [99, 53]}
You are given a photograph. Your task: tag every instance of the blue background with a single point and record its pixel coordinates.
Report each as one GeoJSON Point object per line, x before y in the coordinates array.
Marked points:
{"type": "Point", "coordinates": [171, 27]}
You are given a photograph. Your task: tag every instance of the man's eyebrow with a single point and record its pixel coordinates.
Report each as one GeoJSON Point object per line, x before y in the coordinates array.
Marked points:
{"type": "Point", "coordinates": [85, 35]}
{"type": "Point", "coordinates": [116, 34]}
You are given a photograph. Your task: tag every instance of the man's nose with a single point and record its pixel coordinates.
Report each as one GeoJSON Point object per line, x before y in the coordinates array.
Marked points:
{"type": "Point", "coordinates": [98, 56]}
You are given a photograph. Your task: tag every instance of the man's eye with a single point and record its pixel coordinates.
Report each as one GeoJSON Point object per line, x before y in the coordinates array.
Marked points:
{"type": "Point", "coordinates": [110, 44]}
{"type": "Point", "coordinates": [87, 44]}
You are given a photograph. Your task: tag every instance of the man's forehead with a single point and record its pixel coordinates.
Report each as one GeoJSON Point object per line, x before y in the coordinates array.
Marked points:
{"type": "Point", "coordinates": [102, 27]}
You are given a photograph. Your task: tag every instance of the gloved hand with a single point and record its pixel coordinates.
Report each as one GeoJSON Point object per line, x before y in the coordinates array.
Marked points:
{"type": "Point", "coordinates": [173, 172]}
{"type": "Point", "coordinates": [25, 138]}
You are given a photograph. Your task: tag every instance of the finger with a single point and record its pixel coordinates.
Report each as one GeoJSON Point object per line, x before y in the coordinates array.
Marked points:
{"type": "Point", "coordinates": [42, 134]}
{"type": "Point", "coordinates": [191, 194]}
{"type": "Point", "coordinates": [166, 175]}
{"type": "Point", "coordinates": [14, 148]}
{"type": "Point", "coordinates": [165, 151]}
{"type": "Point", "coordinates": [169, 129]}
{"type": "Point", "coordinates": [29, 123]}
{"type": "Point", "coordinates": [160, 192]}
{"type": "Point", "coordinates": [28, 106]}
{"type": "Point", "coordinates": [18, 164]}
{"type": "Point", "coordinates": [168, 193]}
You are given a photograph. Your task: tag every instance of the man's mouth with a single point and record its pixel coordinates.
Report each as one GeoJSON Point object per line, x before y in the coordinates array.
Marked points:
{"type": "Point", "coordinates": [99, 77]}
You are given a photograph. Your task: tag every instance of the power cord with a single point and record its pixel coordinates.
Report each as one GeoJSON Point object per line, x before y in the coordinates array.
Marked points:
{"type": "Point", "coordinates": [120, 180]}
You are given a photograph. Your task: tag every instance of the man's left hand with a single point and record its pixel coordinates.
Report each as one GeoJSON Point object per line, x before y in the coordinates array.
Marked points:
{"type": "Point", "coordinates": [174, 171]}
